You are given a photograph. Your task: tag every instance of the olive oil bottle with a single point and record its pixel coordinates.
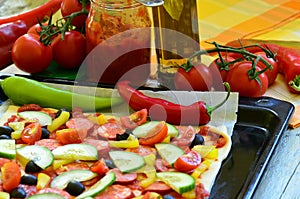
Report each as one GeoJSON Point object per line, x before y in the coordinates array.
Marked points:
{"type": "Point", "coordinates": [176, 37]}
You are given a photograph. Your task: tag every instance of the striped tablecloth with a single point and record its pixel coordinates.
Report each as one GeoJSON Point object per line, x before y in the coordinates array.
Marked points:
{"type": "Point", "coordinates": [226, 20]}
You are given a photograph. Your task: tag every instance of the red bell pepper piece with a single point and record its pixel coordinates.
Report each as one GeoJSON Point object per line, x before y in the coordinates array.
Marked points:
{"type": "Point", "coordinates": [9, 33]}
{"type": "Point", "coordinates": [289, 65]}
{"type": "Point", "coordinates": [197, 113]}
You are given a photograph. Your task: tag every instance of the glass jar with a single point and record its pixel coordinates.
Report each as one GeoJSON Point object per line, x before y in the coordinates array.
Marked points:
{"type": "Point", "coordinates": [176, 37]}
{"type": "Point", "coordinates": [118, 37]}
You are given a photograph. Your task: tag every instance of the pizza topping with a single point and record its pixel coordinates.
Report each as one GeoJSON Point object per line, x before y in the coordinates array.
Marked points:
{"type": "Point", "coordinates": [40, 155]}
{"type": "Point", "coordinates": [188, 162]}
{"type": "Point", "coordinates": [30, 107]}
{"type": "Point", "coordinates": [100, 186]}
{"type": "Point", "coordinates": [169, 152]}
{"type": "Point", "coordinates": [36, 116]}
{"type": "Point", "coordinates": [76, 152]}
{"type": "Point", "coordinates": [28, 179]}
{"type": "Point", "coordinates": [61, 181]}
{"type": "Point", "coordinates": [180, 182]}
{"type": "Point", "coordinates": [143, 158]}
{"type": "Point", "coordinates": [11, 176]}
{"type": "Point", "coordinates": [126, 161]}
{"type": "Point", "coordinates": [135, 119]}
{"type": "Point", "coordinates": [75, 188]}
{"type": "Point", "coordinates": [7, 148]}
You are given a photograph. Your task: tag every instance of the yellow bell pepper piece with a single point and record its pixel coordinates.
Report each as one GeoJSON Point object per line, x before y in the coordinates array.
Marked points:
{"type": "Point", "coordinates": [210, 152]}
{"type": "Point", "coordinates": [167, 139]}
{"type": "Point", "coordinates": [4, 195]}
{"type": "Point", "coordinates": [201, 168]}
{"type": "Point", "coordinates": [131, 142]}
{"type": "Point", "coordinates": [18, 128]}
{"type": "Point", "coordinates": [101, 119]}
{"type": "Point", "coordinates": [58, 163]}
{"type": "Point", "coordinates": [60, 120]}
{"type": "Point", "coordinates": [42, 181]}
{"type": "Point", "coordinates": [189, 194]}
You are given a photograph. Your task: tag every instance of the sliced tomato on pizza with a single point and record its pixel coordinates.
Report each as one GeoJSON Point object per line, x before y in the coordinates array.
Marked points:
{"type": "Point", "coordinates": [62, 154]}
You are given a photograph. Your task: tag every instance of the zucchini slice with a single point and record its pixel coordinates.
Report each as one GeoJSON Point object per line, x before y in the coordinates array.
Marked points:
{"type": "Point", "coordinates": [179, 182]}
{"type": "Point", "coordinates": [127, 161]}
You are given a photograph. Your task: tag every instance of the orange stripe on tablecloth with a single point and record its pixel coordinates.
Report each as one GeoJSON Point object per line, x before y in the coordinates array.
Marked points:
{"type": "Point", "coordinates": [263, 23]}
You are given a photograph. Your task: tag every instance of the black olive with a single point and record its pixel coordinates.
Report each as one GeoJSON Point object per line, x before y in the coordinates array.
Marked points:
{"type": "Point", "coordinates": [28, 179]}
{"type": "Point", "coordinates": [32, 167]}
{"type": "Point", "coordinates": [18, 192]}
{"type": "Point", "coordinates": [198, 140]}
{"type": "Point", "coordinates": [109, 163]}
{"type": "Point", "coordinates": [75, 188]}
{"type": "Point", "coordinates": [4, 137]}
{"type": "Point", "coordinates": [6, 130]}
{"type": "Point", "coordinates": [45, 133]}
{"type": "Point", "coordinates": [123, 136]}
{"type": "Point", "coordinates": [168, 197]}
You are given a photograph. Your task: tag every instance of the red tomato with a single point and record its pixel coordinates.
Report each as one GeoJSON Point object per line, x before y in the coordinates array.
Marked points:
{"type": "Point", "coordinates": [70, 52]}
{"type": "Point", "coordinates": [71, 136]}
{"type": "Point", "coordinates": [219, 68]}
{"type": "Point", "coordinates": [199, 78]}
{"type": "Point", "coordinates": [272, 72]}
{"type": "Point", "coordinates": [11, 176]}
{"type": "Point", "coordinates": [3, 161]}
{"type": "Point", "coordinates": [135, 119]}
{"type": "Point", "coordinates": [70, 6]}
{"type": "Point", "coordinates": [155, 135]}
{"type": "Point", "coordinates": [99, 167]}
{"type": "Point", "coordinates": [239, 80]}
{"type": "Point", "coordinates": [30, 55]}
{"type": "Point", "coordinates": [188, 162]}
{"type": "Point", "coordinates": [31, 133]}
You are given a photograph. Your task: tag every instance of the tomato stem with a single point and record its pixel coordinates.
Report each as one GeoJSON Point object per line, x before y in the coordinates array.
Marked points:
{"type": "Point", "coordinates": [210, 109]}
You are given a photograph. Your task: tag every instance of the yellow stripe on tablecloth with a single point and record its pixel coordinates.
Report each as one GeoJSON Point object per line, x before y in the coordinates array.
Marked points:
{"type": "Point", "coordinates": [243, 17]}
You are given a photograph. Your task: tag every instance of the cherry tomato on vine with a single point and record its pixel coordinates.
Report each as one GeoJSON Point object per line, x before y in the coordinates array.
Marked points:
{"type": "Point", "coordinates": [222, 67]}
{"type": "Point", "coordinates": [199, 78]}
{"type": "Point", "coordinates": [30, 55]}
{"type": "Point", "coordinates": [272, 72]}
{"type": "Point", "coordinates": [188, 162]}
{"type": "Point", "coordinates": [70, 6]}
{"type": "Point", "coordinates": [31, 133]}
{"type": "Point", "coordinates": [70, 52]}
{"type": "Point", "coordinates": [240, 81]}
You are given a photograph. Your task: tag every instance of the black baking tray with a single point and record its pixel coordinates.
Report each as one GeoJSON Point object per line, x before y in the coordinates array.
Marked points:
{"type": "Point", "coordinates": [260, 124]}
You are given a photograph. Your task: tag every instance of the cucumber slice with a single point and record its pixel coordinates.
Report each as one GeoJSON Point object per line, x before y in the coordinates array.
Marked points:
{"type": "Point", "coordinates": [63, 179]}
{"type": "Point", "coordinates": [169, 152]}
{"type": "Point", "coordinates": [46, 196]}
{"type": "Point", "coordinates": [76, 152]}
{"type": "Point", "coordinates": [127, 161]}
{"type": "Point", "coordinates": [41, 155]}
{"type": "Point", "coordinates": [100, 186]}
{"type": "Point", "coordinates": [43, 118]}
{"type": "Point", "coordinates": [179, 182]}
{"type": "Point", "coordinates": [142, 130]}
{"type": "Point", "coordinates": [8, 149]}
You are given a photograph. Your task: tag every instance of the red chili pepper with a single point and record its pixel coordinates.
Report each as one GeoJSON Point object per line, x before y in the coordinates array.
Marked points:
{"type": "Point", "coordinates": [197, 113]}
{"type": "Point", "coordinates": [31, 16]}
{"type": "Point", "coordinates": [9, 33]}
{"type": "Point", "coordinates": [289, 65]}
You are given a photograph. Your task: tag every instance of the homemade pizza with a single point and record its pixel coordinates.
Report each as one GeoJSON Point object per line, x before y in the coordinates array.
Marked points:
{"type": "Point", "coordinates": [60, 154]}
